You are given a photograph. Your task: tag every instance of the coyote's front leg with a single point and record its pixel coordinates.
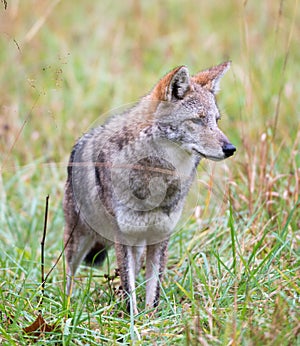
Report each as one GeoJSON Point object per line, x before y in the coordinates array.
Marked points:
{"type": "Point", "coordinates": [129, 263]}
{"type": "Point", "coordinates": [155, 264]}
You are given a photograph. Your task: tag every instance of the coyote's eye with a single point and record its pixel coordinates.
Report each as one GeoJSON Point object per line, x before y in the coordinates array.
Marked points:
{"type": "Point", "coordinates": [197, 121]}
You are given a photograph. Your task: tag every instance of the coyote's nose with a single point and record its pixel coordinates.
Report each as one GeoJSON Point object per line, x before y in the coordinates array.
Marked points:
{"type": "Point", "coordinates": [228, 149]}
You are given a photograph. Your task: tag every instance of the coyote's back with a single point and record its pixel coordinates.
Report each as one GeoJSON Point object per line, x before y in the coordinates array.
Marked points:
{"type": "Point", "coordinates": [128, 179]}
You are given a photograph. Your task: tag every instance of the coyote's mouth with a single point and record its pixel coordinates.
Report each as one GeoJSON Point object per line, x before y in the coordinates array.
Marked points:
{"type": "Point", "coordinates": [200, 153]}
{"type": "Point", "coordinates": [213, 158]}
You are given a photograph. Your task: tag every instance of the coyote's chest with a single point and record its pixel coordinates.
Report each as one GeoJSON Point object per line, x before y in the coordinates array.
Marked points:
{"type": "Point", "coordinates": [144, 188]}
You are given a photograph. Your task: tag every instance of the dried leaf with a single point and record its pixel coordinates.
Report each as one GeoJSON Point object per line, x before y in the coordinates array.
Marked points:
{"type": "Point", "coordinates": [38, 327]}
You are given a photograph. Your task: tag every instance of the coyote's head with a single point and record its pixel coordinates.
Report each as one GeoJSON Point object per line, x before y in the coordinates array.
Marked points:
{"type": "Point", "coordinates": [186, 111]}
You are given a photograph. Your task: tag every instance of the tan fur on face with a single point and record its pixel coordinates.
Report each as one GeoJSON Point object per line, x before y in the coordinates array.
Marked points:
{"type": "Point", "coordinates": [159, 92]}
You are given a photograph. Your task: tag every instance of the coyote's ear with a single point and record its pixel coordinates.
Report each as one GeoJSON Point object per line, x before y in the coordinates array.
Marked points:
{"type": "Point", "coordinates": [210, 78]}
{"type": "Point", "coordinates": [173, 86]}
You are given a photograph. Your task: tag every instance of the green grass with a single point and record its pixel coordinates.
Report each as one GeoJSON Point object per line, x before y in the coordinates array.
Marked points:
{"type": "Point", "coordinates": [233, 271]}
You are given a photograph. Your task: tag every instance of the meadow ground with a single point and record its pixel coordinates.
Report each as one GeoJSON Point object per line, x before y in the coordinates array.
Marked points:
{"type": "Point", "coordinates": [234, 264]}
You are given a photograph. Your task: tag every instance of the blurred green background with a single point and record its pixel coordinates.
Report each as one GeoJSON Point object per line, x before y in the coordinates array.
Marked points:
{"type": "Point", "coordinates": [63, 64]}
{"type": "Point", "coordinates": [233, 274]}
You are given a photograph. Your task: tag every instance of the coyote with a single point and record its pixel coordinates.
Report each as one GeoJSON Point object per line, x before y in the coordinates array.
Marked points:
{"type": "Point", "coordinates": [128, 179]}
